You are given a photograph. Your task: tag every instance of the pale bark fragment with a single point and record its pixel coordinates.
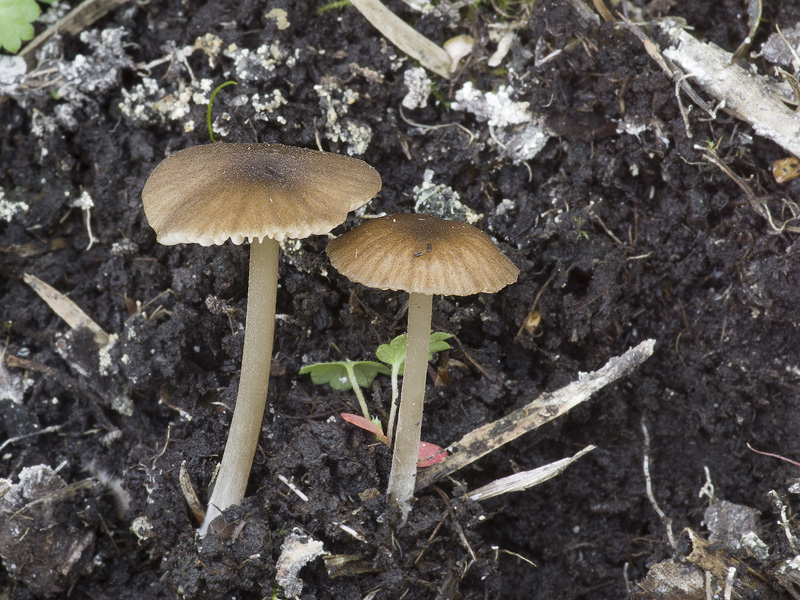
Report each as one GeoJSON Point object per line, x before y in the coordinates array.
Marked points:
{"type": "Point", "coordinates": [747, 96]}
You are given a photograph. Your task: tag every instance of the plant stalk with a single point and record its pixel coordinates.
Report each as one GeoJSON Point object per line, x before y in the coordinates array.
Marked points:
{"type": "Point", "coordinates": [351, 375]}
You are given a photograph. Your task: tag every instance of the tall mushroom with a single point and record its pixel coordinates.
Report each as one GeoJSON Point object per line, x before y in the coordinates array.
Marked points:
{"type": "Point", "coordinates": [263, 193]}
{"type": "Point", "coordinates": [422, 255]}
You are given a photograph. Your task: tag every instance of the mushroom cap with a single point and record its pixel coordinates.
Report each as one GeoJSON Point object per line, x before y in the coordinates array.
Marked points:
{"type": "Point", "coordinates": [423, 254]}
{"type": "Point", "coordinates": [207, 194]}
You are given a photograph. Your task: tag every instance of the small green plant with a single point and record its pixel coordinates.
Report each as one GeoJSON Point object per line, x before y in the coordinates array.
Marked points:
{"type": "Point", "coordinates": [427, 455]}
{"type": "Point", "coordinates": [277, 593]}
{"type": "Point", "coordinates": [438, 94]}
{"type": "Point", "coordinates": [334, 5]}
{"type": "Point", "coordinates": [16, 22]}
{"type": "Point", "coordinates": [394, 355]}
{"type": "Point", "coordinates": [355, 374]}
{"type": "Point", "coordinates": [210, 103]}
{"type": "Point", "coordinates": [345, 375]}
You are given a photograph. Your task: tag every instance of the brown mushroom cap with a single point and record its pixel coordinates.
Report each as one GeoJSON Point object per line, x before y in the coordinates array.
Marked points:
{"type": "Point", "coordinates": [207, 194]}
{"type": "Point", "coordinates": [422, 254]}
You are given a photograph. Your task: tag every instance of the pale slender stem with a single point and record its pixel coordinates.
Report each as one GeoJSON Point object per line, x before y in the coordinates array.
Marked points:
{"type": "Point", "coordinates": [253, 382]}
{"type": "Point", "coordinates": [393, 408]}
{"type": "Point", "coordinates": [412, 397]}
{"type": "Point", "coordinates": [351, 374]}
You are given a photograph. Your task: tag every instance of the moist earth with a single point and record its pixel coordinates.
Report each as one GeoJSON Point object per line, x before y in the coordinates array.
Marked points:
{"type": "Point", "coordinates": [621, 229]}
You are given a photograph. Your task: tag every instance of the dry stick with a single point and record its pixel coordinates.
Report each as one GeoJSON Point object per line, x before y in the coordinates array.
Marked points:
{"type": "Point", "coordinates": [746, 96]}
{"type": "Point", "coordinates": [457, 525]}
{"type": "Point", "coordinates": [729, 583]}
{"type": "Point", "coordinates": [405, 37]}
{"type": "Point", "coordinates": [75, 21]}
{"type": "Point", "coordinates": [15, 439]}
{"type": "Point", "coordinates": [544, 409]}
{"type": "Point", "coordinates": [649, 487]}
{"type": "Point", "coordinates": [526, 479]}
{"type": "Point", "coordinates": [759, 205]}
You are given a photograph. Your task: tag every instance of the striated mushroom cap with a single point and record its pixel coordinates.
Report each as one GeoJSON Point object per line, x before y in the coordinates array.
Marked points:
{"type": "Point", "coordinates": [207, 194]}
{"type": "Point", "coordinates": [423, 254]}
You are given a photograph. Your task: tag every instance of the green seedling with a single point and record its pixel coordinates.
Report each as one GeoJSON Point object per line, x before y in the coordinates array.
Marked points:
{"type": "Point", "coordinates": [210, 103]}
{"type": "Point", "coordinates": [345, 375]}
{"type": "Point", "coordinates": [335, 5]}
{"type": "Point", "coordinates": [427, 455]}
{"type": "Point", "coordinates": [394, 355]}
{"type": "Point", "coordinates": [16, 22]}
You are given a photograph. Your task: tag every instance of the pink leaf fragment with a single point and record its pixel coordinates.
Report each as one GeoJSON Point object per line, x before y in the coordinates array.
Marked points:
{"type": "Point", "coordinates": [363, 423]}
{"type": "Point", "coordinates": [428, 454]}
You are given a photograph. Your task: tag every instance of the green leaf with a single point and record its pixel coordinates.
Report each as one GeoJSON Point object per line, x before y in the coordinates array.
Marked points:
{"type": "Point", "coordinates": [394, 353]}
{"type": "Point", "coordinates": [16, 18]}
{"type": "Point", "coordinates": [335, 373]}
{"type": "Point", "coordinates": [438, 343]}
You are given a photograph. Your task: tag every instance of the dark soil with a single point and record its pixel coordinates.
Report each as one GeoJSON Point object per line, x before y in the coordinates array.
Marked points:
{"type": "Point", "coordinates": [619, 238]}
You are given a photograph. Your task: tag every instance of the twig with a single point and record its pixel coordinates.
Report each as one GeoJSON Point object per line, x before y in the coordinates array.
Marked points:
{"type": "Point", "coordinates": [745, 96]}
{"type": "Point", "coordinates": [294, 488]}
{"type": "Point", "coordinates": [781, 506]}
{"type": "Point", "coordinates": [73, 22]}
{"type": "Point", "coordinates": [729, 583]}
{"type": "Point", "coordinates": [164, 449]}
{"type": "Point", "coordinates": [649, 486]}
{"type": "Point", "coordinates": [455, 521]}
{"type": "Point", "coordinates": [405, 37]}
{"type": "Point", "coordinates": [543, 409]}
{"type": "Point", "coordinates": [526, 479]}
{"type": "Point", "coordinates": [190, 495]}
{"type": "Point", "coordinates": [430, 538]}
{"type": "Point", "coordinates": [18, 438]}
{"type": "Point", "coordinates": [791, 462]}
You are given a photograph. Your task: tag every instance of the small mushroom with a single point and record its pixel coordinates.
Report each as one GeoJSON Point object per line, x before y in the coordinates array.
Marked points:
{"type": "Point", "coordinates": [422, 255]}
{"type": "Point", "coordinates": [263, 193]}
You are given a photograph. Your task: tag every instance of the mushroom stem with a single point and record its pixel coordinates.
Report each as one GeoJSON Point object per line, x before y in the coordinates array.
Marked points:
{"type": "Point", "coordinates": [253, 382]}
{"type": "Point", "coordinates": [412, 397]}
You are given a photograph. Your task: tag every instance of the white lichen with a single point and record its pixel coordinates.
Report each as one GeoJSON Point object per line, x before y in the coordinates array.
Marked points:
{"type": "Point", "coordinates": [280, 16]}
{"type": "Point", "coordinates": [256, 65]}
{"type": "Point", "coordinates": [264, 109]}
{"type": "Point", "coordinates": [211, 45]}
{"type": "Point", "coordinates": [9, 208]}
{"type": "Point", "coordinates": [419, 88]}
{"type": "Point", "coordinates": [75, 81]}
{"type": "Point", "coordinates": [512, 126]}
{"type": "Point", "coordinates": [505, 206]}
{"type": "Point", "coordinates": [297, 551]}
{"type": "Point", "coordinates": [496, 108]}
{"type": "Point", "coordinates": [442, 201]}
{"type": "Point", "coordinates": [335, 104]}
{"type": "Point", "coordinates": [148, 102]}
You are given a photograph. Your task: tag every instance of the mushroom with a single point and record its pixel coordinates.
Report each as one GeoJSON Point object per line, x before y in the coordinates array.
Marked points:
{"type": "Point", "coordinates": [263, 193]}
{"type": "Point", "coordinates": [422, 255]}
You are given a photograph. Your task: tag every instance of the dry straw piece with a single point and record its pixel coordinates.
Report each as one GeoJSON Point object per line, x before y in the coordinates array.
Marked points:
{"type": "Point", "coordinates": [264, 193]}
